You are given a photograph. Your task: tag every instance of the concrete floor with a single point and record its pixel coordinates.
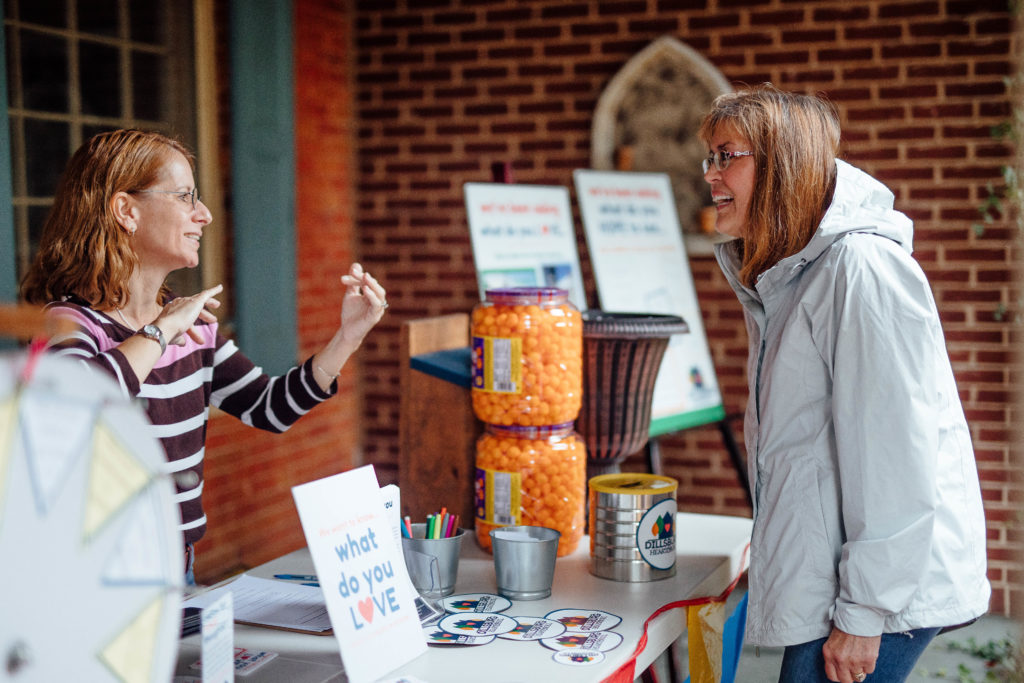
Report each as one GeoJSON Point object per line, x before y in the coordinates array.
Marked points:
{"type": "Point", "coordinates": [942, 661]}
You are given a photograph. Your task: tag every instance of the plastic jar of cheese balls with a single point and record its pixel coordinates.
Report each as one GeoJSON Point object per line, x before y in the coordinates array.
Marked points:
{"type": "Point", "coordinates": [534, 476]}
{"type": "Point", "coordinates": [527, 345]}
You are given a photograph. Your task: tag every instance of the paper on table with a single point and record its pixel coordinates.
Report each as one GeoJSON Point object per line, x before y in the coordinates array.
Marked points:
{"type": "Point", "coordinates": [278, 604]}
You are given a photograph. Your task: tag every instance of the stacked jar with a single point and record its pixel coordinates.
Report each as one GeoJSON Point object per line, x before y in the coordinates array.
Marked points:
{"type": "Point", "coordinates": [527, 345]}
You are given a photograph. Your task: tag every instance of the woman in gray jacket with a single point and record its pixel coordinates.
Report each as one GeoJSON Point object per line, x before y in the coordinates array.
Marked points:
{"type": "Point", "coordinates": [869, 532]}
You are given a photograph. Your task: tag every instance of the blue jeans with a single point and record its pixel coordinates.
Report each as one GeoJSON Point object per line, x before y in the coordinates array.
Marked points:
{"type": "Point", "coordinates": [897, 655]}
{"type": "Point", "coordinates": [190, 558]}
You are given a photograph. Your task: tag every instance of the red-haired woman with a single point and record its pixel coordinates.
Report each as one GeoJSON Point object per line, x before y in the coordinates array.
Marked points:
{"type": "Point", "coordinates": [126, 214]}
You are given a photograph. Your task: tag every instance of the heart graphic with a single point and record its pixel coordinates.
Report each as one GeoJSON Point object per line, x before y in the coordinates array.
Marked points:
{"type": "Point", "coordinates": [366, 609]}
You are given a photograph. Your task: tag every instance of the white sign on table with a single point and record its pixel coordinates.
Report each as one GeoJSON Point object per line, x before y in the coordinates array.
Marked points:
{"type": "Point", "coordinates": [640, 266]}
{"type": "Point", "coordinates": [523, 236]}
{"type": "Point", "coordinates": [361, 569]}
{"type": "Point", "coordinates": [218, 641]}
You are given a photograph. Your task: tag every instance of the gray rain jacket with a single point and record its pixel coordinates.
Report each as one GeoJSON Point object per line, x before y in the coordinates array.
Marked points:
{"type": "Point", "coordinates": [867, 507]}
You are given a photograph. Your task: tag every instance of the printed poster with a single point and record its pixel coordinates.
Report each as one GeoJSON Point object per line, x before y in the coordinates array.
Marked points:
{"type": "Point", "coordinates": [640, 266]}
{"type": "Point", "coordinates": [523, 236]}
{"type": "Point", "coordinates": [369, 597]}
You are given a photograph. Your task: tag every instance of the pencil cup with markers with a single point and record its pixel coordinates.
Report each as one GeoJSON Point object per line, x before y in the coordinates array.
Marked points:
{"type": "Point", "coordinates": [431, 551]}
{"type": "Point", "coordinates": [527, 345]}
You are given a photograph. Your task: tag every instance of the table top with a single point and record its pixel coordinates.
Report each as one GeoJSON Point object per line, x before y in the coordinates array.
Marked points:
{"type": "Point", "coordinates": [710, 554]}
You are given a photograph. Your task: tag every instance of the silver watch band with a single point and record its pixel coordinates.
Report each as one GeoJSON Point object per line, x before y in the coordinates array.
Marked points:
{"type": "Point", "coordinates": [153, 332]}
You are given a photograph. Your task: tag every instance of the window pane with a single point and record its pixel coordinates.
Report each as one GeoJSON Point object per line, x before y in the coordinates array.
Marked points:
{"type": "Point", "coordinates": [148, 82]}
{"type": "Point", "coordinates": [46, 152]}
{"type": "Point", "coordinates": [36, 217]}
{"type": "Point", "coordinates": [98, 16]}
{"type": "Point", "coordinates": [44, 72]}
{"type": "Point", "coordinates": [46, 12]}
{"type": "Point", "coordinates": [100, 79]}
{"type": "Point", "coordinates": [146, 25]}
{"type": "Point", "coordinates": [89, 131]}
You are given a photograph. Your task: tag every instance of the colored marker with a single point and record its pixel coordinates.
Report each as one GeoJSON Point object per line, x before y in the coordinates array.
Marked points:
{"type": "Point", "coordinates": [296, 577]}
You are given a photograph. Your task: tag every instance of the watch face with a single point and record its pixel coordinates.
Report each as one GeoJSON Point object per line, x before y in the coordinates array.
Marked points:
{"type": "Point", "coordinates": [153, 332]}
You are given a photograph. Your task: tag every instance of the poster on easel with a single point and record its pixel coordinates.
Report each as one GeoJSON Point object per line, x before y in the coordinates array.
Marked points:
{"type": "Point", "coordinates": [640, 266]}
{"type": "Point", "coordinates": [523, 236]}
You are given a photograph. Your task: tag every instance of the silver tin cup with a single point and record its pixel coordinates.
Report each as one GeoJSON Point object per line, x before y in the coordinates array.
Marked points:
{"type": "Point", "coordinates": [524, 561]}
{"type": "Point", "coordinates": [433, 563]}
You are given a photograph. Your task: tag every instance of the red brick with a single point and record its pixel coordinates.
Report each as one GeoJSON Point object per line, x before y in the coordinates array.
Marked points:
{"type": "Point", "coordinates": [909, 9]}
{"type": "Point", "coordinates": [851, 13]}
{"type": "Point", "coordinates": [717, 20]}
{"type": "Point", "coordinates": [874, 32]}
{"type": "Point", "coordinates": [787, 17]}
{"type": "Point", "coordinates": [939, 29]}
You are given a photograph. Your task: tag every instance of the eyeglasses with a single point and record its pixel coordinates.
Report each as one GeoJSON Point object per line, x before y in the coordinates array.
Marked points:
{"type": "Point", "coordinates": [192, 196]}
{"type": "Point", "coordinates": [721, 159]}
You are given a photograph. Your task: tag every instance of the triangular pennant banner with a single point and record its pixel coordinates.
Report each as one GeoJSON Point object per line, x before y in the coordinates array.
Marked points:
{"type": "Point", "coordinates": [130, 654]}
{"type": "Point", "coordinates": [126, 565]}
{"type": "Point", "coordinates": [116, 476]}
{"type": "Point", "coordinates": [8, 425]}
{"type": "Point", "coordinates": [55, 433]}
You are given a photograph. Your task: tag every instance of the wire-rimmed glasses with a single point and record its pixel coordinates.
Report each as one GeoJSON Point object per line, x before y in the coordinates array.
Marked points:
{"type": "Point", "coordinates": [193, 194]}
{"type": "Point", "coordinates": [721, 160]}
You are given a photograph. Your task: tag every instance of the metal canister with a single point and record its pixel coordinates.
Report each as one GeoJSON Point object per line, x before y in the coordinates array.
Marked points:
{"type": "Point", "coordinates": [632, 521]}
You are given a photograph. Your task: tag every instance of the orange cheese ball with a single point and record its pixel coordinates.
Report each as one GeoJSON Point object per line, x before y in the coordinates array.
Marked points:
{"type": "Point", "coordinates": [549, 361]}
{"type": "Point", "coordinates": [550, 464]}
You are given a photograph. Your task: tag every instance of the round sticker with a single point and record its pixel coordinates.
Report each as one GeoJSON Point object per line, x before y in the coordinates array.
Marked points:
{"type": "Point", "coordinates": [477, 624]}
{"type": "Point", "coordinates": [584, 620]}
{"type": "Point", "coordinates": [534, 628]}
{"type": "Point", "coordinates": [476, 602]}
{"type": "Point", "coordinates": [438, 636]}
{"type": "Point", "coordinates": [578, 657]}
{"type": "Point", "coordinates": [656, 535]}
{"type": "Point", "coordinates": [579, 642]}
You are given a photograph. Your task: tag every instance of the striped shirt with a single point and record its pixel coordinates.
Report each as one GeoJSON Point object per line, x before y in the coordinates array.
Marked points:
{"type": "Point", "coordinates": [185, 382]}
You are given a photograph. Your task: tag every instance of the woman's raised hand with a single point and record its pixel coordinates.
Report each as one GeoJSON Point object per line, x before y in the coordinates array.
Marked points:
{"type": "Point", "coordinates": [363, 305]}
{"type": "Point", "coordinates": [180, 315]}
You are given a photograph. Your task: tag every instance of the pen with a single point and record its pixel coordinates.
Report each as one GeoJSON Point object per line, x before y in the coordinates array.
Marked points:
{"type": "Point", "coordinates": [296, 577]}
{"type": "Point", "coordinates": [317, 585]}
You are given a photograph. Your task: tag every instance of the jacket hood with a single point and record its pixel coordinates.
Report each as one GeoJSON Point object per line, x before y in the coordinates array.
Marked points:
{"type": "Point", "coordinates": [860, 204]}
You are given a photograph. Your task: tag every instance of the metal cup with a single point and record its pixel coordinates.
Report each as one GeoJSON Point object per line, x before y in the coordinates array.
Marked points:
{"type": "Point", "coordinates": [524, 561]}
{"type": "Point", "coordinates": [433, 563]}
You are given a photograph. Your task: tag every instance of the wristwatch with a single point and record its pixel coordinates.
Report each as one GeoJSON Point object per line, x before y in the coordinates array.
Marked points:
{"type": "Point", "coordinates": [153, 332]}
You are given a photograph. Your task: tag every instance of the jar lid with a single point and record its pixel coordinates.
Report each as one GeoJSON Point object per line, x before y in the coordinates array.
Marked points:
{"type": "Point", "coordinates": [638, 484]}
{"type": "Point", "coordinates": [531, 432]}
{"type": "Point", "coordinates": [605, 324]}
{"type": "Point", "coordinates": [526, 295]}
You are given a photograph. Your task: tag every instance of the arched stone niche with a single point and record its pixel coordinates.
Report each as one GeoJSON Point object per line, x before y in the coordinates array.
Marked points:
{"type": "Point", "coordinates": [647, 120]}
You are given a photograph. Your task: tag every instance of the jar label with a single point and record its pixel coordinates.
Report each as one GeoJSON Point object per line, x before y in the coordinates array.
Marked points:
{"type": "Point", "coordinates": [498, 496]}
{"type": "Point", "coordinates": [497, 364]}
{"type": "Point", "coordinates": [656, 535]}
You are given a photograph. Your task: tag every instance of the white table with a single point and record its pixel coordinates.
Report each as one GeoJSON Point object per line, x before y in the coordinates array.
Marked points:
{"type": "Point", "coordinates": [711, 552]}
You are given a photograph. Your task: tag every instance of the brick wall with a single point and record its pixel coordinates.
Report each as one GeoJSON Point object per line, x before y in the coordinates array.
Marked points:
{"type": "Point", "coordinates": [249, 473]}
{"type": "Point", "coordinates": [444, 88]}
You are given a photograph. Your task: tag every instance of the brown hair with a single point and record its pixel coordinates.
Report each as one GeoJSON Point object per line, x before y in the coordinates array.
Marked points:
{"type": "Point", "coordinates": [795, 140]}
{"type": "Point", "coordinates": [83, 250]}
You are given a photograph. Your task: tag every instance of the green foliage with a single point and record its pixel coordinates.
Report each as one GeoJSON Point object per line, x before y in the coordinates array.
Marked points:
{"type": "Point", "coordinates": [1001, 660]}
